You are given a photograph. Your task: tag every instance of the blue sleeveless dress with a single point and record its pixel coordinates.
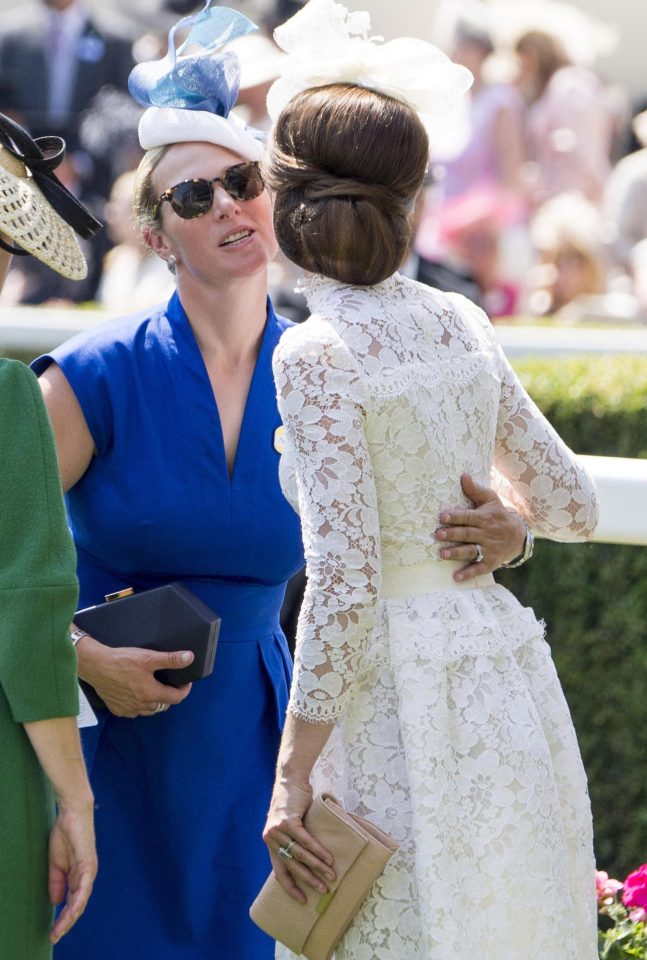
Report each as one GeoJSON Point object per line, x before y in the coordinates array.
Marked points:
{"type": "Point", "coordinates": [182, 796]}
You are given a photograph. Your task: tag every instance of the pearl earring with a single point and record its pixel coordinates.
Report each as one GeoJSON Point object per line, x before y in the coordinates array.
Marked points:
{"type": "Point", "coordinates": [171, 263]}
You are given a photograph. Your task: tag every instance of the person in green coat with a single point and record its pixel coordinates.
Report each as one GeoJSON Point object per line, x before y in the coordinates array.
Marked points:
{"type": "Point", "coordinates": [47, 850]}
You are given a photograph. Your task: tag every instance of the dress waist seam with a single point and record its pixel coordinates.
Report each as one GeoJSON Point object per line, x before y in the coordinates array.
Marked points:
{"type": "Point", "coordinates": [433, 576]}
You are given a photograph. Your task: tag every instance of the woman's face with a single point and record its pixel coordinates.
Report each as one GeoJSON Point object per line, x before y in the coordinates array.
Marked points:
{"type": "Point", "coordinates": [234, 239]}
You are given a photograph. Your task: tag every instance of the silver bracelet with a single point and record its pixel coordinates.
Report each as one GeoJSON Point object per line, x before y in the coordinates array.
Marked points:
{"type": "Point", "coordinates": [528, 548]}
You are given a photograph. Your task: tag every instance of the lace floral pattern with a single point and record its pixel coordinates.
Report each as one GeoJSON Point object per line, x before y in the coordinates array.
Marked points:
{"type": "Point", "coordinates": [451, 732]}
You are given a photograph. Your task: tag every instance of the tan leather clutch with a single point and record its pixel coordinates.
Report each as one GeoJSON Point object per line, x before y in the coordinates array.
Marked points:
{"type": "Point", "coordinates": [361, 852]}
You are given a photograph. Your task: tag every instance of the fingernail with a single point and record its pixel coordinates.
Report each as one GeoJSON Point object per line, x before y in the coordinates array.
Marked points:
{"type": "Point", "coordinates": [331, 876]}
{"type": "Point", "coordinates": [459, 576]}
{"type": "Point", "coordinates": [441, 534]}
{"type": "Point", "coordinates": [186, 657]}
{"type": "Point", "coordinates": [445, 517]}
{"type": "Point", "coordinates": [444, 554]}
{"type": "Point", "coordinates": [323, 888]}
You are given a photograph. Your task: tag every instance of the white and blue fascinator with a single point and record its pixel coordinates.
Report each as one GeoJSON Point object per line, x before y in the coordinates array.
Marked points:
{"type": "Point", "coordinates": [327, 44]}
{"type": "Point", "coordinates": [190, 92]}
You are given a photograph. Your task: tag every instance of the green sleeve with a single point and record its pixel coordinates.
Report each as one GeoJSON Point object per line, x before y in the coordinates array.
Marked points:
{"type": "Point", "coordinates": [38, 585]}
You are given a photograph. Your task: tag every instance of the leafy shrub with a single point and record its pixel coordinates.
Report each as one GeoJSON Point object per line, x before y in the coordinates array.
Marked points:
{"type": "Point", "coordinates": [594, 599]}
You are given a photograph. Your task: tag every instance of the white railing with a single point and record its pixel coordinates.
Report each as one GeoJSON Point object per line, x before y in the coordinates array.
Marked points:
{"type": "Point", "coordinates": [622, 483]}
{"type": "Point", "coordinates": [622, 487]}
{"type": "Point", "coordinates": [550, 340]}
{"type": "Point", "coordinates": [43, 328]}
{"type": "Point", "coordinates": [39, 329]}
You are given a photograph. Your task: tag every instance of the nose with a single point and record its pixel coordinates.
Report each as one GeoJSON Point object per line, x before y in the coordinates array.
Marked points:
{"type": "Point", "coordinates": [224, 205]}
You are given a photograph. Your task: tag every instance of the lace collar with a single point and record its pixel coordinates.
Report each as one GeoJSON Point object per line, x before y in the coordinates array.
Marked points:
{"type": "Point", "coordinates": [318, 289]}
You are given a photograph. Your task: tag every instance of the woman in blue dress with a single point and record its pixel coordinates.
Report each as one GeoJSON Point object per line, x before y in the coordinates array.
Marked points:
{"type": "Point", "coordinates": [169, 439]}
{"type": "Point", "coordinates": [166, 426]}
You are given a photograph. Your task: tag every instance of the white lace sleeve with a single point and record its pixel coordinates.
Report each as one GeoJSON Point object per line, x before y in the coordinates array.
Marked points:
{"type": "Point", "coordinates": [534, 470]}
{"type": "Point", "coordinates": [320, 398]}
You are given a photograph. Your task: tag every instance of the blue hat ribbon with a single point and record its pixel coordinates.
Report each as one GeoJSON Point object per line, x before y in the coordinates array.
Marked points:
{"type": "Point", "coordinates": [198, 81]}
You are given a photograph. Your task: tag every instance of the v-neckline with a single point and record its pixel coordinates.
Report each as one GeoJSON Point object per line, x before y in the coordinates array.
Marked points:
{"type": "Point", "coordinates": [253, 386]}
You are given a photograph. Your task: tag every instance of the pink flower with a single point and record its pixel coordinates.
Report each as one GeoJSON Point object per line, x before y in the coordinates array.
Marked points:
{"type": "Point", "coordinates": [638, 915]}
{"type": "Point", "coordinates": [634, 893]}
{"type": "Point", "coordinates": [605, 888]}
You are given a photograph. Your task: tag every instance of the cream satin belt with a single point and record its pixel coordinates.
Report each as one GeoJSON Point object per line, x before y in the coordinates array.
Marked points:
{"type": "Point", "coordinates": [430, 577]}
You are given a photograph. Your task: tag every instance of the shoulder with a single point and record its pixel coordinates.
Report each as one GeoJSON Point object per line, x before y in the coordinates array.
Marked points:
{"type": "Point", "coordinates": [110, 341]}
{"type": "Point", "coordinates": [475, 321]}
{"type": "Point", "coordinates": [22, 409]}
{"type": "Point", "coordinates": [313, 360]}
{"type": "Point", "coordinates": [18, 385]}
{"type": "Point", "coordinates": [15, 375]}
{"type": "Point", "coordinates": [467, 308]}
{"type": "Point", "coordinates": [311, 342]}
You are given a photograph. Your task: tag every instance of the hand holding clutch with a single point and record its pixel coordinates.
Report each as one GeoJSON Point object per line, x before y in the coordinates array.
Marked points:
{"type": "Point", "coordinates": [314, 928]}
{"type": "Point", "coordinates": [150, 626]}
{"type": "Point", "coordinates": [125, 679]}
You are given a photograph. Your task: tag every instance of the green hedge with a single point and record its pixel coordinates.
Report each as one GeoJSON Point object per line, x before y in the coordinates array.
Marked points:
{"type": "Point", "coordinates": [594, 600]}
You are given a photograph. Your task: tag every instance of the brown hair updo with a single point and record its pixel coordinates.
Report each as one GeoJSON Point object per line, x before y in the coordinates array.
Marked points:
{"type": "Point", "coordinates": [345, 164]}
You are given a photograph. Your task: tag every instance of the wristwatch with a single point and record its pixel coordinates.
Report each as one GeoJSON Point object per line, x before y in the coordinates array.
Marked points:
{"type": "Point", "coordinates": [76, 635]}
{"type": "Point", "coordinates": [528, 548]}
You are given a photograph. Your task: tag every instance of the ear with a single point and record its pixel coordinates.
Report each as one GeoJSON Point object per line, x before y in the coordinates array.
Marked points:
{"type": "Point", "coordinates": [156, 240]}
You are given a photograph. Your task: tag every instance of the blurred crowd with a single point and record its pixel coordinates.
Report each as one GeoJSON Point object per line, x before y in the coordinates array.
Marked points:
{"type": "Point", "coordinates": [537, 207]}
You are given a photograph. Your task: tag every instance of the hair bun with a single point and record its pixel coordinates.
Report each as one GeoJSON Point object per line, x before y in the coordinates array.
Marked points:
{"type": "Point", "coordinates": [345, 165]}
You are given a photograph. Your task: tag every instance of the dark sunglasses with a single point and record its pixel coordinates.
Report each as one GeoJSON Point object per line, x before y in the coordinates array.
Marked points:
{"type": "Point", "coordinates": [193, 198]}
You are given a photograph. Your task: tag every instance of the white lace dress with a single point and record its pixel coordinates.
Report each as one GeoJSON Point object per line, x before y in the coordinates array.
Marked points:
{"type": "Point", "coordinates": [451, 729]}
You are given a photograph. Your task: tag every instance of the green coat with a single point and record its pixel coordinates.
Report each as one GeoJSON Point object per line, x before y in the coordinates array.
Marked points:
{"type": "Point", "coordinates": [38, 594]}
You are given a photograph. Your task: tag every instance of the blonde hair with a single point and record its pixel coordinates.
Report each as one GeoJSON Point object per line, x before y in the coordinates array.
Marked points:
{"type": "Point", "coordinates": [144, 196]}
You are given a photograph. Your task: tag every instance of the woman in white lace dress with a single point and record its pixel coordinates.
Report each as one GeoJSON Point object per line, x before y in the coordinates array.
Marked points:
{"type": "Point", "coordinates": [430, 706]}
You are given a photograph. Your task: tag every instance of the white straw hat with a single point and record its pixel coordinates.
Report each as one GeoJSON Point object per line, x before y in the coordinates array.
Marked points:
{"type": "Point", "coordinates": [159, 126]}
{"type": "Point", "coordinates": [29, 221]}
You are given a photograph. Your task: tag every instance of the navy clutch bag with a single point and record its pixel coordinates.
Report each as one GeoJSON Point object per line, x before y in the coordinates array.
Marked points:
{"type": "Point", "coordinates": [166, 618]}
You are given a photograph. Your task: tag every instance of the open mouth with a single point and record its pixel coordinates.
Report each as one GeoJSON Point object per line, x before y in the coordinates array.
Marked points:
{"type": "Point", "coordinates": [235, 238]}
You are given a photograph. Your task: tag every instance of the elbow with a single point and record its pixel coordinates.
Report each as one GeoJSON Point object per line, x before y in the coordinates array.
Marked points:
{"type": "Point", "coordinates": [585, 520]}
{"type": "Point", "coordinates": [593, 516]}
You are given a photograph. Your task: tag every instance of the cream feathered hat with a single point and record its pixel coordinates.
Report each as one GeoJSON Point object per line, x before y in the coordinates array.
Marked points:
{"type": "Point", "coordinates": [190, 92]}
{"type": "Point", "coordinates": [325, 44]}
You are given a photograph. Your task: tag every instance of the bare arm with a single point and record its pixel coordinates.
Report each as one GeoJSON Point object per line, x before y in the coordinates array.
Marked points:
{"type": "Point", "coordinates": [123, 677]}
{"type": "Point", "coordinates": [72, 854]}
{"type": "Point", "coordinates": [74, 443]}
{"type": "Point", "coordinates": [311, 864]}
